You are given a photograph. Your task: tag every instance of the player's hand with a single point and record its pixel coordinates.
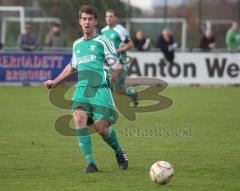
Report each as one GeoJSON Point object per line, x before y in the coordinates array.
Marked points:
{"type": "Point", "coordinates": [115, 72]}
{"type": "Point", "coordinates": [49, 84]}
{"type": "Point", "coordinates": [113, 77]}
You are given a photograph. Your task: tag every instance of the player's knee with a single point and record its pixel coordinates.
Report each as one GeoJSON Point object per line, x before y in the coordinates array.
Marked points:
{"type": "Point", "coordinates": [101, 127]}
{"type": "Point", "coordinates": [104, 133]}
{"type": "Point", "coordinates": [80, 118]}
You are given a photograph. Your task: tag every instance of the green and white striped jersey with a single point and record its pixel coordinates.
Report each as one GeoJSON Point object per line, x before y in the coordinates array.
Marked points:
{"type": "Point", "coordinates": [118, 35]}
{"type": "Point", "coordinates": [89, 57]}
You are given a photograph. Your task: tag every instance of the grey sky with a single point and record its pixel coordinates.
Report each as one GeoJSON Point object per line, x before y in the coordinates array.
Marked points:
{"type": "Point", "coordinates": [149, 4]}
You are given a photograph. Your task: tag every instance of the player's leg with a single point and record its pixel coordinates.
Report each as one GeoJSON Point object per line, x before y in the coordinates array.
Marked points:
{"type": "Point", "coordinates": [104, 115]}
{"type": "Point", "coordinates": [120, 88]}
{"type": "Point", "coordinates": [84, 139]}
{"type": "Point", "coordinates": [109, 136]}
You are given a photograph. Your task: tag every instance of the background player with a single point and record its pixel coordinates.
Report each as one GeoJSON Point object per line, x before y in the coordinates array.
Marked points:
{"type": "Point", "coordinates": [122, 42]}
{"type": "Point", "coordinates": [92, 97]}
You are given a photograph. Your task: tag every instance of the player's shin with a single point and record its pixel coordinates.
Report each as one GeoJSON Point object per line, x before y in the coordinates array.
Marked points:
{"type": "Point", "coordinates": [84, 141]}
{"type": "Point", "coordinates": [112, 140]}
{"type": "Point", "coordinates": [131, 92]}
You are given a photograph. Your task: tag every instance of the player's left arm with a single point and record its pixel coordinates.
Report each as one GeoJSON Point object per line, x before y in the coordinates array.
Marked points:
{"type": "Point", "coordinates": [116, 70]}
{"type": "Point", "coordinates": [115, 65]}
{"type": "Point", "coordinates": [112, 59]}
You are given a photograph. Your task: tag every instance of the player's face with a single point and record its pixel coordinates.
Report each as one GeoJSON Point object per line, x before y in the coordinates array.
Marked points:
{"type": "Point", "coordinates": [111, 19]}
{"type": "Point", "coordinates": [235, 25]}
{"type": "Point", "coordinates": [88, 23]}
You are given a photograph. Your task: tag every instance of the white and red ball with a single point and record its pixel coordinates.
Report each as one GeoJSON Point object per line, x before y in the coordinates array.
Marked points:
{"type": "Point", "coordinates": [161, 172]}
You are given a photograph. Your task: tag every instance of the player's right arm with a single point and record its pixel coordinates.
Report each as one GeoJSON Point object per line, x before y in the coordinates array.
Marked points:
{"type": "Point", "coordinates": [68, 70]}
{"type": "Point", "coordinates": [125, 38]}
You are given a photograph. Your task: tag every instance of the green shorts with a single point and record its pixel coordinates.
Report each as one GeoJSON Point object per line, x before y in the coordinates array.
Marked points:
{"type": "Point", "coordinates": [97, 102]}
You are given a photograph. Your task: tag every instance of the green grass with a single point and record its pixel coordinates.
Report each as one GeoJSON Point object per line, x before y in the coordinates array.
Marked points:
{"type": "Point", "coordinates": [33, 156]}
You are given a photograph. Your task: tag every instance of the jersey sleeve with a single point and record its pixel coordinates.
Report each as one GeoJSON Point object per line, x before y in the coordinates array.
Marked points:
{"type": "Point", "coordinates": [109, 52]}
{"type": "Point", "coordinates": [73, 61]}
{"type": "Point", "coordinates": [123, 33]}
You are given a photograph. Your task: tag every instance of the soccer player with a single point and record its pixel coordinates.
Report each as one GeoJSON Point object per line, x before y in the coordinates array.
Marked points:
{"type": "Point", "coordinates": [122, 42]}
{"type": "Point", "coordinates": [92, 97]}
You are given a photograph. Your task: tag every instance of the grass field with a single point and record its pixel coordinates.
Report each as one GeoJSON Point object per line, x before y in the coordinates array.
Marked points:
{"type": "Point", "coordinates": [33, 156]}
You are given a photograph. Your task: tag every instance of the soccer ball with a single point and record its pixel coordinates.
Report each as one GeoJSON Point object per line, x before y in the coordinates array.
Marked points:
{"type": "Point", "coordinates": [161, 172]}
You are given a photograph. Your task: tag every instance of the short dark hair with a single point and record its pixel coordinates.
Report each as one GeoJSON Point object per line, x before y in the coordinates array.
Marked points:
{"type": "Point", "coordinates": [1, 45]}
{"type": "Point", "coordinates": [113, 11]}
{"type": "Point", "coordinates": [56, 24]}
{"type": "Point", "coordinates": [89, 9]}
{"type": "Point", "coordinates": [27, 27]}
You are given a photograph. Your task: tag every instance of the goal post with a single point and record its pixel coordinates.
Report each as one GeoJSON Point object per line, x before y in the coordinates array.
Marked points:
{"type": "Point", "coordinates": [210, 23]}
{"type": "Point", "coordinates": [21, 19]}
{"type": "Point", "coordinates": [20, 10]}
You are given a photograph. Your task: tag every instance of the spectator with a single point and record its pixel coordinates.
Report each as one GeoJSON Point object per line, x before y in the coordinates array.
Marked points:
{"type": "Point", "coordinates": [207, 41]}
{"type": "Point", "coordinates": [233, 37]}
{"type": "Point", "coordinates": [167, 45]}
{"type": "Point", "coordinates": [55, 37]}
{"type": "Point", "coordinates": [27, 41]}
{"type": "Point", "coordinates": [140, 42]}
{"type": "Point", "coordinates": [1, 45]}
